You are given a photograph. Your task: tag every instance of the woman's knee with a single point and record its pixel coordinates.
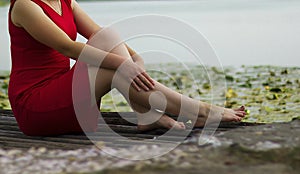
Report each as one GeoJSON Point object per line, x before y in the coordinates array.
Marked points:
{"type": "Point", "coordinates": [105, 39]}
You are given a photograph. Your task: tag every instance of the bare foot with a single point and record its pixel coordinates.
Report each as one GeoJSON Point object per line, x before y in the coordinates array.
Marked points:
{"type": "Point", "coordinates": [214, 114]}
{"type": "Point", "coordinates": [164, 122]}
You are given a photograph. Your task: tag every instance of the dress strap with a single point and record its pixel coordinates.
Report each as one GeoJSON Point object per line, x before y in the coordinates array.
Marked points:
{"type": "Point", "coordinates": [12, 2]}
{"type": "Point", "coordinates": [68, 2]}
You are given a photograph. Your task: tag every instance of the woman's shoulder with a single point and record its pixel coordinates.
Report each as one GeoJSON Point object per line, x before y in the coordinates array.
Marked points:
{"type": "Point", "coordinates": [25, 7]}
{"type": "Point", "coordinates": [21, 2]}
{"type": "Point", "coordinates": [24, 4]}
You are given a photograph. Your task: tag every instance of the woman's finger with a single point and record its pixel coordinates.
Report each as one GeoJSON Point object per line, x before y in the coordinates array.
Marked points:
{"type": "Point", "coordinates": [140, 83]}
{"type": "Point", "coordinates": [135, 86]}
{"type": "Point", "coordinates": [149, 79]}
{"type": "Point", "coordinates": [146, 81]}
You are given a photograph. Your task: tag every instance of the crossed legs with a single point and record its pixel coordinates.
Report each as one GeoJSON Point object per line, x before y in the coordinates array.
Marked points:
{"type": "Point", "coordinates": [147, 104]}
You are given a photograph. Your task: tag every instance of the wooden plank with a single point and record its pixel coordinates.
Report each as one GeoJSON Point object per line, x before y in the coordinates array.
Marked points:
{"type": "Point", "coordinates": [9, 127]}
{"type": "Point", "coordinates": [48, 139]}
{"type": "Point", "coordinates": [12, 137]}
{"type": "Point", "coordinates": [26, 143]}
{"type": "Point", "coordinates": [3, 117]}
{"type": "Point", "coordinates": [6, 113]}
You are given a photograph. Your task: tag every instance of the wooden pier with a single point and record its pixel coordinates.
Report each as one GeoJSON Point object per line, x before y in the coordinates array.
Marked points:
{"type": "Point", "coordinates": [12, 137]}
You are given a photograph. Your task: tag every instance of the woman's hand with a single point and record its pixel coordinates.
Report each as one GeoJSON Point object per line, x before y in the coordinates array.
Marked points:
{"type": "Point", "coordinates": [136, 75]}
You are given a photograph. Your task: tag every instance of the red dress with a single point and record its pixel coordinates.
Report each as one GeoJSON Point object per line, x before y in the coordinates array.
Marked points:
{"type": "Point", "coordinates": [40, 87]}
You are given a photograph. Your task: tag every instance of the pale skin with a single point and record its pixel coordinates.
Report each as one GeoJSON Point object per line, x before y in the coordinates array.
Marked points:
{"type": "Point", "coordinates": [30, 16]}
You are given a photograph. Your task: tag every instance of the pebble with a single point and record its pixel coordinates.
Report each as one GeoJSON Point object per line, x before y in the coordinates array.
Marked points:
{"type": "Point", "coordinates": [204, 140]}
{"type": "Point", "coordinates": [42, 160]}
{"type": "Point", "coordinates": [266, 145]}
{"type": "Point", "coordinates": [14, 152]}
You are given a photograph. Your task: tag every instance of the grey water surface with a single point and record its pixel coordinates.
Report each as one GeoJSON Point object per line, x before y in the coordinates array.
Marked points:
{"type": "Point", "coordinates": [257, 32]}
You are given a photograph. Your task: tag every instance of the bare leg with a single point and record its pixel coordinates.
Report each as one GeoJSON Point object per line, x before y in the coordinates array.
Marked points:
{"type": "Point", "coordinates": [106, 40]}
{"type": "Point", "coordinates": [169, 101]}
{"type": "Point", "coordinates": [152, 119]}
{"type": "Point", "coordinates": [144, 115]}
{"type": "Point", "coordinates": [176, 104]}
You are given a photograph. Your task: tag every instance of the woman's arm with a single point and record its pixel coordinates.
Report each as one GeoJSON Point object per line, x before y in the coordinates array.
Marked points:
{"type": "Point", "coordinates": [87, 27]}
{"type": "Point", "coordinates": [30, 16]}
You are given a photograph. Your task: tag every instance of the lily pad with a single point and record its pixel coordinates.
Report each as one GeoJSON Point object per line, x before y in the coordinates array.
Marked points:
{"type": "Point", "coordinates": [271, 93]}
{"type": "Point", "coordinates": [276, 89]}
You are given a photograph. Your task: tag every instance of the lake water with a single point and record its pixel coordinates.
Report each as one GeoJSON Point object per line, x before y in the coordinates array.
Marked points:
{"type": "Point", "coordinates": [257, 32]}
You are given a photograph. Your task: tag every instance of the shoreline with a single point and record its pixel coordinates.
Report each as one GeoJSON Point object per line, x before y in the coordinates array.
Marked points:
{"type": "Point", "coordinates": [270, 93]}
{"type": "Point", "coordinates": [7, 71]}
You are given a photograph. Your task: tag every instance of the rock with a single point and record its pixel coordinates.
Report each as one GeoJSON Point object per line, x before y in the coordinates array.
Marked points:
{"type": "Point", "coordinates": [204, 140]}
{"type": "Point", "coordinates": [14, 152]}
{"type": "Point", "coordinates": [247, 148]}
{"type": "Point", "coordinates": [266, 145]}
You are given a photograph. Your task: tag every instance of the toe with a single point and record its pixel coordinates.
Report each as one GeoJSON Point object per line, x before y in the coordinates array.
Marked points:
{"type": "Point", "coordinates": [182, 125]}
{"type": "Point", "coordinates": [238, 119]}
{"type": "Point", "coordinates": [240, 113]}
{"type": "Point", "coordinates": [242, 108]}
{"type": "Point", "coordinates": [179, 125]}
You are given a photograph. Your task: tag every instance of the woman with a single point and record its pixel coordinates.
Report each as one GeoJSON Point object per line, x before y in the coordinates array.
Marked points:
{"type": "Point", "coordinates": [43, 34]}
